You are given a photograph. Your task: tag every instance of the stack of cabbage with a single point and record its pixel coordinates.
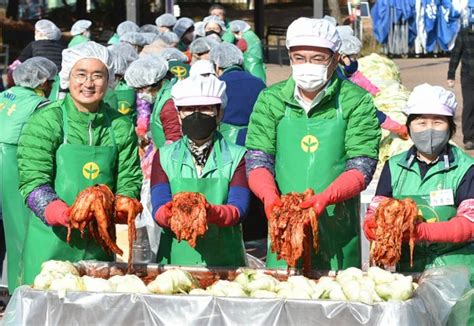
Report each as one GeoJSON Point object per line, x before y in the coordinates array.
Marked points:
{"type": "Point", "coordinates": [391, 100]}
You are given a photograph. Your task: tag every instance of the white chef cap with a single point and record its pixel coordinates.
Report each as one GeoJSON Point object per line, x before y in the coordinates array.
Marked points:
{"type": "Point", "coordinates": [202, 67]}
{"type": "Point", "coordinates": [313, 32]}
{"type": "Point", "coordinates": [198, 90]}
{"type": "Point", "coordinates": [428, 99]}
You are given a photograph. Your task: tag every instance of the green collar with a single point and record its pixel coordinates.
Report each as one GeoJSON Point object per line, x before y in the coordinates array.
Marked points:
{"type": "Point", "coordinates": [84, 118]}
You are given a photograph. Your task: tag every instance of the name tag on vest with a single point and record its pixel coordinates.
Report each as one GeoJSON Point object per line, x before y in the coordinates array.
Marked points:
{"type": "Point", "coordinates": [442, 197]}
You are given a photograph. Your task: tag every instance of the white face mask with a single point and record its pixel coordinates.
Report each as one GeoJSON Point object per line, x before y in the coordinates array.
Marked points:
{"type": "Point", "coordinates": [309, 76]}
{"type": "Point", "coordinates": [147, 97]}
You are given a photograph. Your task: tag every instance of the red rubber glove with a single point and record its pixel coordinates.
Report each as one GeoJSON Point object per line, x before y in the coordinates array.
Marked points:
{"type": "Point", "coordinates": [395, 127]}
{"type": "Point", "coordinates": [347, 185]}
{"type": "Point", "coordinates": [369, 220]}
{"type": "Point", "coordinates": [242, 45]}
{"type": "Point", "coordinates": [163, 215]}
{"type": "Point", "coordinates": [457, 229]}
{"type": "Point", "coordinates": [262, 183]}
{"type": "Point", "coordinates": [57, 213]}
{"type": "Point", "coordinates": [223, 215]}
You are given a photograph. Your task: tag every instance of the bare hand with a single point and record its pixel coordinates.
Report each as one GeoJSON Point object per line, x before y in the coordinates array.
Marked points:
{"type": "Point", "coordinates": [451, 83]}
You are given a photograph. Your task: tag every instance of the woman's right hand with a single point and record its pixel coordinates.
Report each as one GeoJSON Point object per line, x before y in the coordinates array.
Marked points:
{"type": "Point", "coordinates": [164, 214]}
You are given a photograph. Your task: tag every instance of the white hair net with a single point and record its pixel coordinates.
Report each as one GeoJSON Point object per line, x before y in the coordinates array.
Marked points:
{"type": "Point", "coordinates": [214, 19]}
{"type": "Point", "coordinates": [167, 20]}
{"type": "Point", "coordinates": [182, 25]}
{"type": "Point", "coordinates": [202, 45]}
{"type": "Point", "coordinates": [202, 67]}
{"type": "Point", "coordinates": [344, 30]}
{"type": "Point", "coordinates": [34, 72]}
{"type": "Point", "coordinates": [169, 54]}
{"type": "Point", "coordinates": [169, 38]}
{"type": "Point", "coordinates": [350, 45]}
{"type": "Point", "coordinates": [239, 26]}
{"type": "Point", "coordinates": [330, 19]}
{"type": "Point", "coordinates": [225, 55]}
{"type": "Point", "coordinates": [313, 32]}
{"type": "Point", "coordinates": [87, 50]}
{"type": "Point", "coordinates": [199, 29]}
{"type": "Point", "coordinates": [48, 30]}
{"type": "Point", "coordinates": [80, 27]}
{"type": "Point", "coordinates": [149, 28]}
{"type": "Point", "coordinates": [134, 38]}
{"type": "Point", "coordinates": [127, 26]}
{"type": "Point", "coordinates": [146, 71]}
{"type": "Point", "coordinates": [428, 99]}
{"type": "Point", "coordinates": [149, 38]}
{"type": "Point", "coordinates": [123, 54]}
{"type": "Point", "coordinates": [199, 90]}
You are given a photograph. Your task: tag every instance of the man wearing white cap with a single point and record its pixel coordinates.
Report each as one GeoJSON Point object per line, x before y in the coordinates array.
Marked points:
{"type": "Point", "coordinates": [439, 177]}
{"type": "Point", "coordinates": [68, 146]}
{"type": "Point", "coordinates": [204, 162]}
{"type": "Point", "coordinates": [315, 131]}
{"type": "Point", "coordinates": [81, 32]}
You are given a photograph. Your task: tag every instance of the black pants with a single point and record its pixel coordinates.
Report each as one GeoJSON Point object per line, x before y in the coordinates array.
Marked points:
{"type": "Point", "coordinates": [467, 87]}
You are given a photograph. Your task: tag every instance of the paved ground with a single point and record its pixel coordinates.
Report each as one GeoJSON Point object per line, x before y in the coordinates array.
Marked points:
{"type": "Point", "coordinates": [413, 72]}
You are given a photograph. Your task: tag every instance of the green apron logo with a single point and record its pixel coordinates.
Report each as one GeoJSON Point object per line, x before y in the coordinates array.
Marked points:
{"type": "Point", "coordinates": [179, 71]}
{"type": "Point", "coordinates": [124, 107]}
{"type": "Point", "coordinates": [90, 170]}
{"type": "Point", "coordinates": [309, 144]}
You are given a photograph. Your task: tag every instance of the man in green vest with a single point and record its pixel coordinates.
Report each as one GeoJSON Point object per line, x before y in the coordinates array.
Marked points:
{"type": "Point", "coordinates": [204, 162]}
{"type": "Point", "coordinates": [315, 131]}
{"type": "Point", "coordinates": [439, 177]}
{"type": "Point", "coordinates": [155, 108]}
{"type": "Point", "coordinates": [33, 80]}
{"type": "Point", "coordinates": [68, 146]}
{"type": "Point", "coordinates": [81, 32]}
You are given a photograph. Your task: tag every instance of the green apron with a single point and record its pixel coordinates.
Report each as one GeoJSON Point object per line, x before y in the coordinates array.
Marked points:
{"type": "Point", "coordinates": [179, 69]}
{"type": "Point", "coordinates": [14, 210]}
{"type": "Point", "coordinates": [162, 97]}
{"type": "Point", "coordinates": [230, 131]}
{"type": "Point", "coordinates": [311, 154]}
{"type": "Point", "coordinates": [111, 99]}
{"type": "Point", "coordinates": [77, 167]}
{"type": "Point", "coordinates": [126, 100]}
{"type": "Point", "coordinates": [220, 246]}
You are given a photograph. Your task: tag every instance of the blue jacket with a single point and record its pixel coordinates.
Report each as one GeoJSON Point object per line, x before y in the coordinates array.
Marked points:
{"type": "Point", "coordinates": [242, 90]}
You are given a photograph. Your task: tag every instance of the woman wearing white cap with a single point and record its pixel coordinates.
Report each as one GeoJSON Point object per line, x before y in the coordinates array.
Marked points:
{"type": "Point", "coordinates": [202, 161]}
{"type": "Point", "coordinates": [68, 146]}
{"type": "Point", "coordinates": [315, 131]}
{"type": "Point", "coordinates": [439, 177]}
{"type": "Point", "coordinates": [81, 32]}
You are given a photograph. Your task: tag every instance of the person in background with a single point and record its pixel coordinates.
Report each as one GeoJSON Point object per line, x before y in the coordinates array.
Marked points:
{"type": "Point", "coordinates": [58, 143]}
{"type": "Point", "coordinates": [204, 162]}
{"type": "Point", "coordinates": [162, 41]}
{"type": "Point", "coordinates": [122, 28]}
{"type": "Point", "coordinates": [177, 62]}
{"type": "Point", "coordinates": [350, 49]}
{"type": "Point", "coordinates": [214, 27]}
{"type": "Point", "coordinates": [242, 90]}
{"type": "Point", "coordinates": [253, 51]}
{"type": "Point", "coordinates": [135, 39]}
{"type": "Point", "coordinates": [464, 51]}
{"type": "Point", "coordinates": [200, 48]}
{"type": "Point", "coordinates": [184, 28]}
{"type": "Point", "coordinates": [149, 28]}
{"type": "Point", "coordinates": [33, 79]}
{"type": "Point", "coordinates": [439, 177]}
{"type": "Point", "coordinates": [219, 10]}
{"type": "Point", "coordinates": [81, 32]}
{"type": "Point", "coordinates": [202, 67]}
{"type": "Point", "coordinates": [165, 23]}
{"type": "Point", "coordinates": [315, 131]}
{"type": "Point", "coordinates": [123, 55]}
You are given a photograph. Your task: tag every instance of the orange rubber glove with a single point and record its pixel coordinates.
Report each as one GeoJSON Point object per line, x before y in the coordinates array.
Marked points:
{"type": "Point", "coordinates": [262, 183]}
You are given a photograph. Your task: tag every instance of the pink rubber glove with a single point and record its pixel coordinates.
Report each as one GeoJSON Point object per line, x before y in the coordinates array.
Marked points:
{"type": "Point", "coordinates": [369, 220]}
{"type": "Point", "coordinates": [347, 185]}
{"type": "Point", "coordinates": [223, 215]}
{"type": "Point", "coordinates": [142, 127]}
{"type": "Point", "coordinates": [359, 79]}
{"type": "Point", "coordinates": [57, 213]}
{"type": "Point", "coordinates": [163, 215]}
{"type": "Point", "coordinates": [262, 183]}
{"type": "Point", "coordinates": [395, 127]}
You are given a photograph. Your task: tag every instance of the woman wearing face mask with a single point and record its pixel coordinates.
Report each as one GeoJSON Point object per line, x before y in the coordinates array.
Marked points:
{"type": "Point", "coordinates": [204, 162]}
{"type": "Point", "coordinates": [81, 32]}
{"type": "Point", "coordinates": [214, 27]}
{"type": "Point", "coordinates": [68, 146]}
{"type": "Point", "coordinates": [432, 164]}
{"type": "Point", "coordinates": [315, 131]}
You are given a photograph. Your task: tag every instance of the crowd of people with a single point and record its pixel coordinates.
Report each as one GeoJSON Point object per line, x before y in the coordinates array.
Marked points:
{"type": "Point", "coordinates": [183, 106]}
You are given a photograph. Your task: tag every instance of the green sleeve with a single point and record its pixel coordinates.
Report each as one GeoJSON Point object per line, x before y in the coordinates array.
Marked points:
{"type": "Point", "coordinates": [228, 37]}
{"type": "Point", "coordinates": [129, 174]}
{"type": "Point", "coordinates": [363, 129]}
{"type": "Point", "coordinates": [262, 129]}
{"type": "Point", "coordinates": [39, 140]}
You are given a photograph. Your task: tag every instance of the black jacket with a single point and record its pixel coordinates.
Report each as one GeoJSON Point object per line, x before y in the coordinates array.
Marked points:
{"type": "Point", "coordinates": [49, 49]}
